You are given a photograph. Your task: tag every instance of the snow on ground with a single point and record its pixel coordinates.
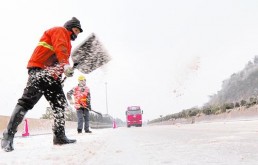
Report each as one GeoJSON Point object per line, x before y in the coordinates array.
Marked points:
{"type": "Point", "coordinates": [214, 143]}
{"type": "Point", "coordinates": [40, 149]}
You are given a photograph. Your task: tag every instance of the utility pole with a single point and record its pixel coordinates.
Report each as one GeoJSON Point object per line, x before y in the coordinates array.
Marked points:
{"type": "Point", "coordinates": [106, 98]}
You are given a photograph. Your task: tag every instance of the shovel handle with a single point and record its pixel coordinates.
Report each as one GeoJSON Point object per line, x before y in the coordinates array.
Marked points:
{"type": "Point", "coordinates": [97, 112]}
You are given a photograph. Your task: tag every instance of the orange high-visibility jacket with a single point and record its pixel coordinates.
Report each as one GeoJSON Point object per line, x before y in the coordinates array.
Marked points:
{"type": "Point", "coordinates": [81, 97]}
{"type": "Point", "coordinates": [53, 49]}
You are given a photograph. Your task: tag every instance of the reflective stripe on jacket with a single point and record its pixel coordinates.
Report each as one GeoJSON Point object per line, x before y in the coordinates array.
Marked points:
{"type": "Point", "coordinates": [46, 45]}
{"type": "Point", "coordinates": [53, 50]}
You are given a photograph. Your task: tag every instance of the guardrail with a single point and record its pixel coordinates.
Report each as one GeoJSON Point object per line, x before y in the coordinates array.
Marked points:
{"type": "Point", "coordinates": [44, 126]}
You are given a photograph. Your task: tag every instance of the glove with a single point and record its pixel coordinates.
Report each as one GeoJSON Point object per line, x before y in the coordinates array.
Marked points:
{"type": "Point", "coordinates": [68, 71]}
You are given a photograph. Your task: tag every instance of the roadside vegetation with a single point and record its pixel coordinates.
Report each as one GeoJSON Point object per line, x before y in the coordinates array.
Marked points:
{"type": "Point", "coordinates": [240, 90]}
{"type": "Point", "coordinates": [70, 115]}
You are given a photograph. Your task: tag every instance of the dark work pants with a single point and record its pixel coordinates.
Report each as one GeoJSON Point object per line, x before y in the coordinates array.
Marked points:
{"type": "Point", "coordinates": [41, 83]}
{"type": "Point", "coordinates": [83, 115]}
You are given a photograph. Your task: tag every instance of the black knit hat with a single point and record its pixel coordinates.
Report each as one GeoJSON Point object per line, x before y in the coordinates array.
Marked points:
{"type": "Point", "coordinates": [74, 22]}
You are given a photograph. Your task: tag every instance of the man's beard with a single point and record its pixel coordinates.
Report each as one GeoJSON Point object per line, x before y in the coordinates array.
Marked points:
{"type": "Point", "coordinates": [73, 36]}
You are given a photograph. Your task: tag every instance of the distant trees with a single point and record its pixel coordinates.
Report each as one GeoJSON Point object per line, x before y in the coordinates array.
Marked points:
{"type": "Point", "coordinates": [240, 86]}
{"type": "Point", "coordinates": [48, 114]}
{"type": "Point", "coordinates": [240, 90]}
{"type": "Point", "coordinates": [70, 115]}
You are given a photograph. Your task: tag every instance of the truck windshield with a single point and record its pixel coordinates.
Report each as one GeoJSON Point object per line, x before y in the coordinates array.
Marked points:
{"type": "Point", "coordinates": [134, 112]}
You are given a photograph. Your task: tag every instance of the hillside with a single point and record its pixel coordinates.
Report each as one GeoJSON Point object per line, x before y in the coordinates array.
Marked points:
{"type": "Point", "coordinates": [240, 86]}
{"type": "Point", "coordinates": [240, 91]}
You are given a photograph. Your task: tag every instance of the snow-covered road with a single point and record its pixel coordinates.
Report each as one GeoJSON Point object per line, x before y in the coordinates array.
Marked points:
{"type": "Point", "coordinates": [218, 143]}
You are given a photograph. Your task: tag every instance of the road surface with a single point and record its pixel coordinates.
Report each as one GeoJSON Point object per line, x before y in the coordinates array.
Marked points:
{"type": "Point", "coordinates": [218, 143]}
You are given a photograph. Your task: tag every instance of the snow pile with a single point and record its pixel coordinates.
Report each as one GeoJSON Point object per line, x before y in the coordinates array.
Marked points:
{"type": "Point", "coordinates": [90, 55]}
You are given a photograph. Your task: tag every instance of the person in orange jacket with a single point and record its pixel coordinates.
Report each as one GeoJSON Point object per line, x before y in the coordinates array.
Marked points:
{"type": "Point", "coordinates": [49, 60]}
{"type": "Point", "coordinates": [82, 103]}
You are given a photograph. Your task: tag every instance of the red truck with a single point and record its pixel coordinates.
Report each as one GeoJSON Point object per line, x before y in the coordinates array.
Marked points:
{"type": "Point", "coordinates": [134, 116]}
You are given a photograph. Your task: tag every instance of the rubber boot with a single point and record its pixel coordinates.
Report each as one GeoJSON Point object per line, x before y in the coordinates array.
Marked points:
{"type": "Point", "coordinates": [8, 135]}
{"type": "Point", "coordinates": [60, 137]}
{"type": "Point", "coordinates": [79, 130]}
